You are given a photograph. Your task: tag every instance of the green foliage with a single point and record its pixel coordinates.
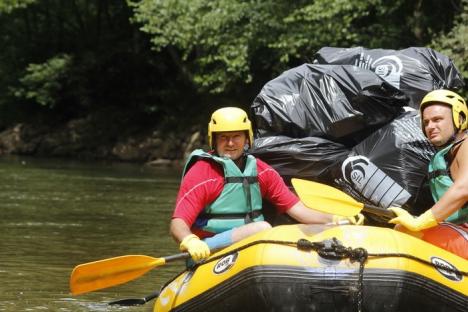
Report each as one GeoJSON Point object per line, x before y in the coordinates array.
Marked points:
{"type": "Point", "coordinates": [322, 23]}
{"type": "Point", "coordinates": [221, 43]}
{"type": "Point", "coordinates": [44, 82]}
{"type": "Point", "coordinates": [454, 44]}
{"type": "Point", "coordinates": [174, 59]}
{"type": "Point", "coordinates": [212, 38]}
{"type": "Point", "coordinates": [112, 64]}
{"type": "Point", "coordinates": [7, 6]}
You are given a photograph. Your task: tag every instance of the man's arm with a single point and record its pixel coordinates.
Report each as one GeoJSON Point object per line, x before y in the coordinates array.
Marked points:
{"type": "Point", "coordinates": [307, 215]}
{"type": "Point", "coordinates": [179, 229]}
{"type": "Point", "coordinates": [275, 190]}
{"type": "Point", "coordinates": [200, 186]}
{"type": "Point", "coordinates": [454, 199]}
{"type": "Point", "coordinates": [197, 248]}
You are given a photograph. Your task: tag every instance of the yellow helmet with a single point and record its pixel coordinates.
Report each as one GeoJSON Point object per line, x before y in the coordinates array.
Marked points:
{"type": "Point", "coordinates": [229, 119]}
{"type": "Point", "coordinates": [456, 102]}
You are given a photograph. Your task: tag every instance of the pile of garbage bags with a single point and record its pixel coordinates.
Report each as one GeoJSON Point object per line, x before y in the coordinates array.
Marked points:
{"type": "Point", "coordinates": [351, 120]}
{"type": "Point", "coordinates": [415, 70]}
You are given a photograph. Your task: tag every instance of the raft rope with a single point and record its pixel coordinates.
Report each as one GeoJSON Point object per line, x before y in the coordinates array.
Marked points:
{"type": "Point", "coordinates": [328, 249]}
{"type": "Point", "coordinates": [335, 250]}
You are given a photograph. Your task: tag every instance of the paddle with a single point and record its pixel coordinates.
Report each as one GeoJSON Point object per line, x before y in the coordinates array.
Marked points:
{"type": "Point", "coordinates": [328, 199]}
{"type": "Point", "coordinates": [114, 271]}
{"type": "Point", "coordinates": [133, 302]}
{"type": "Point", "coordinates": [140, 301]}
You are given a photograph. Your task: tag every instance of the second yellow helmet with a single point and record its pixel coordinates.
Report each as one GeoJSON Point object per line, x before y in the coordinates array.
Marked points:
{"type": "Point", "coordinates": [452, 99]}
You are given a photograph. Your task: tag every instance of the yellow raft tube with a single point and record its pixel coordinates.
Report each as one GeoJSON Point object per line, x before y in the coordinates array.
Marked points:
{"type": "Point", "coordinates": [323, 268]}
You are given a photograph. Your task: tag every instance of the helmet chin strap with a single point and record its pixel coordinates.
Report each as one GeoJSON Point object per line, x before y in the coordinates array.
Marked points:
{"type": "Point", "coordinates": [449, 141]}
{"type": "Point", "coordinates": [453, 137]}
{"type": "Point", "coordinates": [239, 161]}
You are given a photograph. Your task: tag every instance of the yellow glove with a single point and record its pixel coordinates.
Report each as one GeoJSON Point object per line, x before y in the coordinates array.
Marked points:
{"type": "Point", "coordinates": [415, 224]}
{"type": "Point", "coordinates": [197, 248]}
{"type": "Point", "coordinates": [356, 220]}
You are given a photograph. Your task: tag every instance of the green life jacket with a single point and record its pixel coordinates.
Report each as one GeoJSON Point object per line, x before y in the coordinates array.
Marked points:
{"type": "Point", "coordinates": [239, 203]}
{"type": "Point", "coordinates": [440, 181]}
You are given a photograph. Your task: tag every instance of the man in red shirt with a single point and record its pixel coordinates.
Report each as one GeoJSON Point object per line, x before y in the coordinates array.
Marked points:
{"type": "Point", "coordinates": [220, 197]}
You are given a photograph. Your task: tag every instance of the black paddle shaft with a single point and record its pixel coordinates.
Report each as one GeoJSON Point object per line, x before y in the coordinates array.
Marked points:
{"type": "Point", "coordinates": [135, 301]}
{"type": "Point", "coordinates": [379, 211]}
{"type": "Point", "coordinates": [178, 256]}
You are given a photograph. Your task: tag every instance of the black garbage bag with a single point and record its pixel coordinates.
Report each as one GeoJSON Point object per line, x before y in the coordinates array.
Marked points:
{"type": "Point", "coordinates": [389, 167]}
{"type": "Point", "coordinates": [307, 158]}
{"type": "Point", "coordinates": [342, 103]}
{"type": "Point", "coordinates": [415, 70]}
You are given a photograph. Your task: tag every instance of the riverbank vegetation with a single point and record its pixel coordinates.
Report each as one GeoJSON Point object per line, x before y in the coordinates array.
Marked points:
{"type": "Point", "coordinates": [134, 80]}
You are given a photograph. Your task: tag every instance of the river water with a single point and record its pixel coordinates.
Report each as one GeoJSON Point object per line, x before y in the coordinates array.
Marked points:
{"type": "Point", "coordinates": [56, 214]}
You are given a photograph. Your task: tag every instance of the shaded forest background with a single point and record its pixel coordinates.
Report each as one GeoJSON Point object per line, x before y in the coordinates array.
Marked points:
{"type": "Point", "coordinates": [137, 80]}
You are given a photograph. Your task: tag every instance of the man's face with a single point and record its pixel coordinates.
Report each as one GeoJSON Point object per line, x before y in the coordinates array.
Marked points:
{"type": "Point", "coordinates": [231, 144]}
{"type": "Point", "coordinates": [438, 124]}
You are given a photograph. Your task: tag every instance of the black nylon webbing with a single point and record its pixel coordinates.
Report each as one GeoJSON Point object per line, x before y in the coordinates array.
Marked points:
{"type": "Point", "coordinates": [251, 180]}
{"type": "Point", "coordinates": [436, 173]}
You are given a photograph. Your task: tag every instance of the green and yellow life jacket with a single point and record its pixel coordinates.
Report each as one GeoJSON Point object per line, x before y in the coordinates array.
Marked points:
{"type": "Point", "coordinates": [440, 181]}
{"type": "Point", "coordinates": [239, 203]}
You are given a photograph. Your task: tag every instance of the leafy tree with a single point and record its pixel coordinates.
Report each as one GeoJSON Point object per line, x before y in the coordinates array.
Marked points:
{"type": "Point", "coordinates": [7, 6]}
{"type": "Point", "coordinates": [44, 82]}
{"type": "Point", "coordinates": [78, 56]}
{"type": "Point", "coordinates": [455, 43]}
{"type": "Point", "coordinates": [219, 44]}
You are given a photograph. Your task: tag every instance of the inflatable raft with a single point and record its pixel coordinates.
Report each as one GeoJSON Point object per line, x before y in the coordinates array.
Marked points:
{"type": "Point", "coordinates": [322, 268]}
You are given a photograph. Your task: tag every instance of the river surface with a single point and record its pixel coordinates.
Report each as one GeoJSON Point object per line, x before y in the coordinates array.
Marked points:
{"type": "Point", "coordinates": [56, 214]}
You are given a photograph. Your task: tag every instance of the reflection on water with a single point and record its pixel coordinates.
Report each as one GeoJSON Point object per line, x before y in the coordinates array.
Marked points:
{"type": "Point", "coordinates": [57, 214]}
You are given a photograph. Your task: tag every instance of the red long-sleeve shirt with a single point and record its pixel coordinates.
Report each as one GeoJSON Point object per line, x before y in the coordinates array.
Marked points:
{"type": "Point", "coordinates": [204, 182]}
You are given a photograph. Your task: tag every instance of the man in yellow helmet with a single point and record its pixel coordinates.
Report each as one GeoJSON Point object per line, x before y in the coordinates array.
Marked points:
{"type": "Point", "coordinates": [444, 118]}
{"type": "Point", "coordinates": [220, 197]}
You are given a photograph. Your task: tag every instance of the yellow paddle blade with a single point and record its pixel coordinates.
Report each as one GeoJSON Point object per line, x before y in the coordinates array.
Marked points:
{"type": "Point", "coordinates": [326, 198]}
{"type": "Point", "coordinates": [110, 272]}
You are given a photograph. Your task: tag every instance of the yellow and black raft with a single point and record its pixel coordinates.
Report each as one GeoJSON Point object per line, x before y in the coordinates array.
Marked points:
{"type": "Point", "coordinates": [302, 268]}
{"type": "Point", "coordinates": [322, 268]}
